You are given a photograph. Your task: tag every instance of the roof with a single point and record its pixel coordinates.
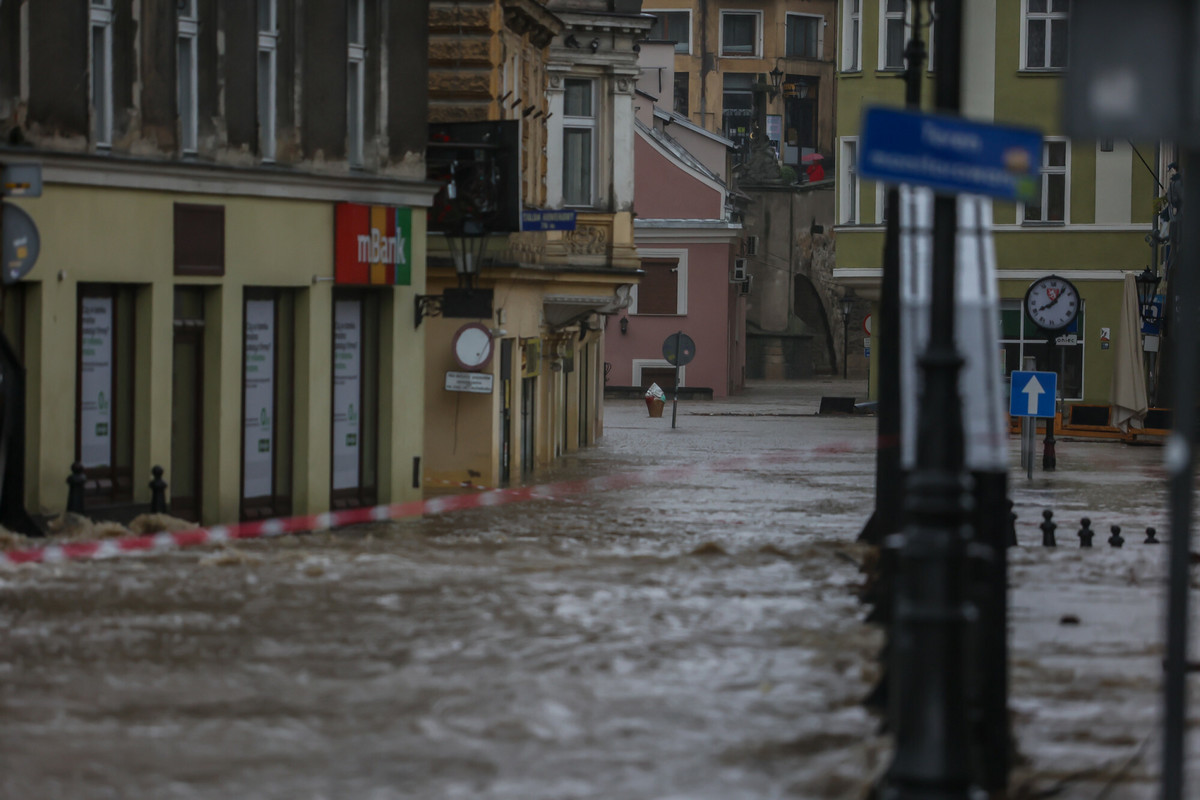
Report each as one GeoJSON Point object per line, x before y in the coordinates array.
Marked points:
{"type": "Point", "coordinates": [680, 119]}
{"type": "Point", "coordinates": [680, 153]}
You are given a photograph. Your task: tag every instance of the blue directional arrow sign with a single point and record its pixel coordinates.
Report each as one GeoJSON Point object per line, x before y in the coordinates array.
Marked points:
{"type": "Point", "coordinates": [1033, 394]}
{"type": "Point", "coordinates": [950, 154]}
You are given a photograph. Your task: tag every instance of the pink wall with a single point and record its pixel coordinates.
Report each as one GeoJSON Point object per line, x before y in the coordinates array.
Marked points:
{"type": "Point", "coordinates": [664, 191]}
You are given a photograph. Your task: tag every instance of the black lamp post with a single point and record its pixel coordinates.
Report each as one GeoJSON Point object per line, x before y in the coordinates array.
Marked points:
{"type": "Point", "coordinates": [1147, 287]}
{"type": "Point", "coordinates": [467, 245]}
{"type": "Point", "coordinates": [845, 333]}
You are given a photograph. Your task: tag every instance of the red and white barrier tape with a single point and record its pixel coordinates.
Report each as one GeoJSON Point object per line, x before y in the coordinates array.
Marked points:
{"type": "Point", "coordinates": [218, 534]}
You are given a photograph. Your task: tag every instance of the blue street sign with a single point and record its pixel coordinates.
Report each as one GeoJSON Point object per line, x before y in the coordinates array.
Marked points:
{"type": "Point", "coordinates": [950, 154]}
{"type": "Point", "coordinates": [1033, 394]}
{"type": "Point", "coordinates": [539, 220]}
{"type": "Point", "coordinates": [1152, 315]}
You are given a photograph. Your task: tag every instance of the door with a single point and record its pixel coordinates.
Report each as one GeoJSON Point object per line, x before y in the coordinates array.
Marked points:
{"type": "Point", "coordinates": [187, 405]}
{"type": "Point", "coordinates": [528, 421]}
{"type": "Point", "coordinates": [506, 393]}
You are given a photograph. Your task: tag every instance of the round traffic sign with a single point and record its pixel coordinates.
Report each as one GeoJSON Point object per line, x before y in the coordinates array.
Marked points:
{"type": "Point", "coordinates": [867, 324]}
{"type": "Point", "coordinates": [21, 244]}
{"type": "Point", "coordinates": [678, 349]}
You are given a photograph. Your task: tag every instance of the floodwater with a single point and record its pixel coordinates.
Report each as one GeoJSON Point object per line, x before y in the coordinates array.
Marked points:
{"type": "Point", "coordinates": [696, 636]}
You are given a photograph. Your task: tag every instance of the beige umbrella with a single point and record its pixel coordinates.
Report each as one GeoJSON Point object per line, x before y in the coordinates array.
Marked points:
{"type": "Point", "coordinates": [1128, 393]}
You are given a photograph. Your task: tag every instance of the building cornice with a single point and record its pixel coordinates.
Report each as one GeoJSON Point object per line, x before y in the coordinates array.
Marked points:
{"type": "Point", "coordinates": [116, 172]}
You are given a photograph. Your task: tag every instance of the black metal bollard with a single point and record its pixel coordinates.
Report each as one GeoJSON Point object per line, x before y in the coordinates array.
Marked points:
{"type": "Point", "coordinates": [1048, 528]}
{"type": "Point", "coordinates": [1116, 540]}
{"type": "Point", "coordinates": [75, 484]}
{"type": "Point", "coordinates": [1086, 533]}
{"type": "Point", "coordinates": [1151, 536]}
{"type": "Point", "coordinates": [1011, 540]}
{"type": "Point", "coordinates": [158, 491]}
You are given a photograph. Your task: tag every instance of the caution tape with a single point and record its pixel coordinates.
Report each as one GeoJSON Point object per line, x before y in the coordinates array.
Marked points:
{"type": "Point", "coordinates": [220, 534]}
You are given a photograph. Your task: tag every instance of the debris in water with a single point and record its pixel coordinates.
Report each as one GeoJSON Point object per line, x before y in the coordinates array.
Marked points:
{"type": "Point", "coordinates": [144, 524]}
{"type": "Point", "coordinates": [709, 549]}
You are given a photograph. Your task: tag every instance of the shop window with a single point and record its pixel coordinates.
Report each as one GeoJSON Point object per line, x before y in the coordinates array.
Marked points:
{"type": "Point", "coordinates": [1053, 201]}
{"type": "Point", "coordinates": [579, 142]}
{"type": "Point", "coordinates": [663, 288]}
{"type": "Point", "coordinates": [681, 93]}
{"type": "Point", "coordinates": [355, 450]}
{"type": "Point", "coordinates": [104, 408]}
{"type": "Point", "coordinates": [268, 377]}
{"type": "Point", "coordinates": [672, 26]}
{"type": "Point", "coordinates": [1063, 353]}
{"type": "Point", "coordinates": [1044, 34]}
{"type": "Point", "coordinates": [737, 112]}
{"type": "Point", "coordinates": [804, 36]}
{"type": "Point", "coordinates": [741, 33]}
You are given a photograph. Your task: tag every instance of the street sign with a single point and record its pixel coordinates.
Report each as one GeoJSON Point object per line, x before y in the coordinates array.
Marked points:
{"type": "Point", "coordinates": [867, 325]}
{"type": "Point", "coordinates": [21, 244]}
{"type": "Point", "coordinates": [1032, 394]}
{"type": "Point", "coordinates": [950, 154]}
{"type": "Point", "coordinates": [539, 220]}
{"type": "Point", "coordinates": [21, 180]}
{"type": "Point", "coordinates": [681, 354]}
{"type": "Point", "coordinates": [476, 382]}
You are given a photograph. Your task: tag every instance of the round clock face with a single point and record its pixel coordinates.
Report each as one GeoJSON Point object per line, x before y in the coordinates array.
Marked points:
{"type": "Point", "coordinates": [473, 346]}
{"type": "Point", "coordinates": [1052, 302]}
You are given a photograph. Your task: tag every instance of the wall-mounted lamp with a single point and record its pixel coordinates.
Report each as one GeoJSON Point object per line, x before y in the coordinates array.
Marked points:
{"type": "Point", "coordinates": [467, 243]}
{"type": "Point", "coordinates": [776, 80]}
{"type": "Point", "coordinates": [624, 324]}
{"type": "Point", "coordinates": [594, 44]}
{"type": "Point", "coordinates": [571, 41]}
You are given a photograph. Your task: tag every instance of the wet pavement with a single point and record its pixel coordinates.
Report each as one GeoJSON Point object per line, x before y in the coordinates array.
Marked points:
{"type": "Point", "coordinates": [695, 636]}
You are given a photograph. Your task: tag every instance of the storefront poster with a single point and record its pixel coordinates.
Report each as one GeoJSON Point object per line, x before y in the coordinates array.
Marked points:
{"type": "Point", "coordinates": [347, 392]}
{"type": "Point", "coordinates": [95, 381]}
{"type": "Point", "coordinates": [258, 425]}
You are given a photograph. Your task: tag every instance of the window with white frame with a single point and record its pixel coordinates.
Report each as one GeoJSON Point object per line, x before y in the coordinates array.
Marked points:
{"type": "Point", "coordinates": [1044, 33]}
{"type": "Point", "coordinates": [187, 26]}
{"type": "Point", "coordinates": [1020, 337]}
{"type": "Point", "coordinates": [663, 288]}
{"type": "Point", "coordinates": [741, 33]}
{"type": "Point", "coordinates": [1054, 192]}
{"type": "Point", "coordinates": [356, 57]}
{"type": "Point", "coordinates": [672, 26]}
{"type": "Point", "coordinates": [848, 182]}
{"type": "Point", "coordinates": [804, 36]}
{"type": "Point", "coordinates": [852, 36]}
{"type": "Point", "coordinates": [579, 141]}
{"type": "Point", "coordinates": [268, 42]}
{"type": "Point", "coordinates": [891, 33]}
{"type": "Point", "coordinates": [102, 72]}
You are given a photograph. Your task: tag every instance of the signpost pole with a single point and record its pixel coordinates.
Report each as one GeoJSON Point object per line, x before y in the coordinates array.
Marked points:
{"type": "Point", "coordinates": [675, 361]}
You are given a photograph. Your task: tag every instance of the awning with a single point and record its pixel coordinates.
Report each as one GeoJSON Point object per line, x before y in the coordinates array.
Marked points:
{"type": "Point", "coordinates": [1128, 394]}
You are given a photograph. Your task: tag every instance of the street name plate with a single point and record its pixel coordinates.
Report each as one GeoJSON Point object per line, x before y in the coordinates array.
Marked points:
{"type": "Point", "coordinates": [950, 154]}
{"type": "Point", "coordinates": [477, 382]}
{"type": "Point", "coordinates": [543, 220]}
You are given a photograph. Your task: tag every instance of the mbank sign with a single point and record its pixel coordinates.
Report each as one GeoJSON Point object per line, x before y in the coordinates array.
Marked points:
{"type": "Point", "coordinates": [950, 154]}
{"type": "Point", "coordinates": [373, 245]}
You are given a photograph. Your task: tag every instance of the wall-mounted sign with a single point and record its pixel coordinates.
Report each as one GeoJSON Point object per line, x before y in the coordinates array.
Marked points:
{"type": "Point", "coordinates": [477, 382]}
{"type": "Point", "coordinates": [258, 425]}
{"type": "Point", "coordinates": [21, 180]}
{"type": "Point", "coordinates": [21, 244]}
{"type": "Point", "coordinates": [347, 392]}
{"type": "Point", "coordinates": [538, 220]}
{"type": "Point", "coordinates": [373, 245]}
{"type": "Point", "coordinates": [95, 381]}
{"type": "Point", "coordinates": [531, 357]}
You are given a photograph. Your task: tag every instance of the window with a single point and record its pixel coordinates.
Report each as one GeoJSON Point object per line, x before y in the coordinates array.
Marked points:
{"type": "Point", "coordinates": [681, 93]}
{"type": "Point", "coordinates": [891, 36]}
{"type": "Point", "coordinates": [104, 410]}
{"type": "Point", "coordinates": [356, 55]}
{"type": "Point", "coordinates": [663, 289]}
{"type": "Point", "coordinates": [199, 234]}
{"type": "Point", "coordinates": [102, 72]}
{"type": "Point", "coordinates": [1053, 203]}
{"type": "Point", "coordinates": [737, 100]}
{"type": "Point", "coordinates": [673, 26]}
{"type": "Point", "coordinates": [1021, 337]}
{"type": "Point", "coordinates": [355, 455]}
{"type": "Point", "coordinates": [188, 26]}
{"type": "Point", "coordinates": [848, 182]}
{"type": "Point", "coordinates": [268, 377]}
{"type": "Point", "coordinates": [740, 33]}
{"type": "Point", "coordinates": [852, 37]}
{"type": "Point", "coordinates": [1045, 33]}
{"type": "Point", "coordinates": [803, 36]}
{"type": "Point", "coordinates": [579, 142]}
{"type": "Point", "coordinates": [268, 40]}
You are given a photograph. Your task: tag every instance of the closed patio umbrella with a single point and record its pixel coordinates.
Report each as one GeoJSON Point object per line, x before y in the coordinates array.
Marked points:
{"type": "Point", "coordinates": [1128, 393]}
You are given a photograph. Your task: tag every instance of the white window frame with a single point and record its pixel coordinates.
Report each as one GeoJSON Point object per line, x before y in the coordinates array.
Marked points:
{"type": "Point", "coordinates": [639, 364]}
{"type": "Point", "coordinates": [188, 29]}
{"type": "Point", "coordinates": [1026, 16]}
{"type": "Point", "coordinates": [681, 278]}
{"type": "Point", "coordinates": [1064, 170]}
{"type": "Point", "coordinates": [820, 33]}
{"type": "Point", "coordinates": [758, 34]}
{"type": "Point", "coordinates": [101, 21]}
{"type": "Point", "coordinates": [885, 16]}
{"type": "Point", "coordinates": [849, 184]}
{"type": "Point", "coordinates": [852, 36]}
{"type": "Point", "coordinates": [571, 123]}
{"type": "Point", "coordinates": [356, 69]}
{"type": "Point", "coordinates": [1016, 304]}
{"type": "Point", "coordinates": [688, 12]}
{"type": "Point", "coordinates": [268, 44]}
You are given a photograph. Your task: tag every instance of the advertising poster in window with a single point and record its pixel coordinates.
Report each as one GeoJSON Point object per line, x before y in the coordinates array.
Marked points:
{"type": "Point", "coordinates": [258, 426]}
{"type": "Point", "coordinates": [95, 381]}
{"type": "Point", "coordinates": [347, 391]}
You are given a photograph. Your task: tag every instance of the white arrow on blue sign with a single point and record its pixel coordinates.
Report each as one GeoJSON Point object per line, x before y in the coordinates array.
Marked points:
{"type": "Point", "coordinates": [1033, 394]}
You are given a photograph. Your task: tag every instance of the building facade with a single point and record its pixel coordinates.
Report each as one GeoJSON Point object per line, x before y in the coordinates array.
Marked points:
{"type": "Point", "coordinates": [1097, 199]}
{"type": "Point", "coordinates": [232, 228]}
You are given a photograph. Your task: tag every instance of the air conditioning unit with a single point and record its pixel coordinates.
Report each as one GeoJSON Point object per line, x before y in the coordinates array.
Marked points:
{"type": "Point", "coordinates": [739, 270]}
{"type": "Point", "coordinates": [751, 245]}
{"type": "Point", "coordinates": [744, 289]}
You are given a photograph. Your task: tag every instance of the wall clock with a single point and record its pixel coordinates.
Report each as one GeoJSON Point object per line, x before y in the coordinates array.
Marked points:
{"type": "Point", "coordinates": [1052, 302]}
{"type": "Point", "coordinates": [473, 346]}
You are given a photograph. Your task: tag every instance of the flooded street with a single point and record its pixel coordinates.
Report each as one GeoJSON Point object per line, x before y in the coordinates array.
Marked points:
{"type": "Point", "coordinates": [695, 636]}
